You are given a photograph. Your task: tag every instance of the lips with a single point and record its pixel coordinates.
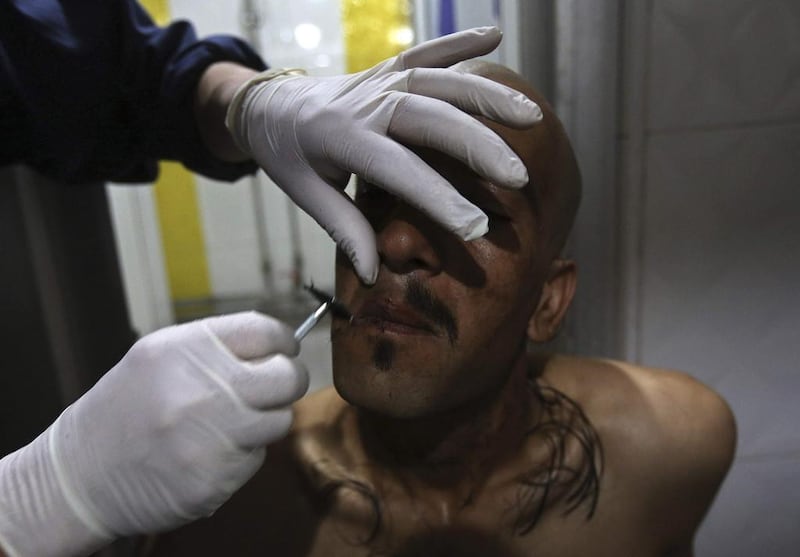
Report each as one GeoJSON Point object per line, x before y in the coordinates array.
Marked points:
{"type": "Point", "coordinates": [392, 317]}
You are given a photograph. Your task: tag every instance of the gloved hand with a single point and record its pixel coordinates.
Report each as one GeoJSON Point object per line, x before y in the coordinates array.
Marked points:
{"type": "Point", "coordinates": [165, 437]}
{"type": "Point", "coordinates": [309, 134]}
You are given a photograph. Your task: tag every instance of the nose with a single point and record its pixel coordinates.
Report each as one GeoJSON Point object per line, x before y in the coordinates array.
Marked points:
{"type": "Point", "coordinates": [407, 241]}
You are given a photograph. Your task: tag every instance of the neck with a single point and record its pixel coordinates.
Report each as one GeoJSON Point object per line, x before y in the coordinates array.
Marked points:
{"type": "Point", "coordinates": [459, 447]}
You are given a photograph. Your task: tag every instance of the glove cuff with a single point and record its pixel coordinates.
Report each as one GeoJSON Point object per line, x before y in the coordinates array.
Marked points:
{"type": "Point", "coordinates": [232, 115]}
{"type": "Point", "coordinates": [37, 516]}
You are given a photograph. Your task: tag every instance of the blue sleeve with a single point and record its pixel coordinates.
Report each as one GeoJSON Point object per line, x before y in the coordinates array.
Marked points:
{"type": "Point", "coordinates": [94, 90]}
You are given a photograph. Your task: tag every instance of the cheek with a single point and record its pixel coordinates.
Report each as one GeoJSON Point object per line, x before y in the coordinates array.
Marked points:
{"type": "Point", "coordinates": [508, 272]}
{"type": "Point", "coordinates": [491, 327]}
{"type": "Point", "coordinates": [505, 302]}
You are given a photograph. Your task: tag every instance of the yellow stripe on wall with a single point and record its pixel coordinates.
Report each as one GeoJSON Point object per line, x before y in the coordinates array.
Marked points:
{"type": "Point", "coordinates": [182, 233]}
{"type": "Point", "coordinates": [375, 30]}
{"type": "Point", "coordinates": [158, 10]}
{"type": "Point", "coordinates": [179, 215]}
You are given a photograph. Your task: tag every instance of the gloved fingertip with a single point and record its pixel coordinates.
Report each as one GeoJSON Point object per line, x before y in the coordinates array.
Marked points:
{"type": "Point", "coordinates": [488, 30]}
{"type": "Point", "coordinates": [365, 262]}
{"type": "Point", "coordinates": [368, 276]}
{"type": "Point", "coordinates": [517, 174]}
{"type": "Point", "coordinates": [533, 112]}
{"type": "Point", "coordinates": [490, 34]}
{"type": "Point", "coordinates": [294, 347]}
{"type": "Point", "coordinates": [475, 229]}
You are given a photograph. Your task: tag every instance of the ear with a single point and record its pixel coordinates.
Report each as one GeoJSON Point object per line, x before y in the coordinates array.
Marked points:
{"type": "Point", "coordinates": [557, 293]}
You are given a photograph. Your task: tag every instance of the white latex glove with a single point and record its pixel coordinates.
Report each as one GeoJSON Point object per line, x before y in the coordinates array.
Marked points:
{"type": "Point", "coordinates": [165, 437]}
{"type": "Point", "coordinates": [311, 133]}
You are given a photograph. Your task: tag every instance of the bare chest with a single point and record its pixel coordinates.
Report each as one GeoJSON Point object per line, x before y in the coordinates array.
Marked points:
{"type": "Point", "coordinates": [467, 540]}
{"type": "Point", "coordinates": [498, 527]}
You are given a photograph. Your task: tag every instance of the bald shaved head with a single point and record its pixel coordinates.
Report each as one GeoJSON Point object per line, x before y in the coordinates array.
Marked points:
{"type": "Point", "coordinates": [555, 182]}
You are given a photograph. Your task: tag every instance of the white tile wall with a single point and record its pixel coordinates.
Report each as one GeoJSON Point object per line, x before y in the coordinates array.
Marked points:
{"type": "Point", "coordinates": [721, 271]}
{"type": "Point", "coordinates": [712, 112]}
{"type": "Point", "coordinates": [756, 513]}
{"type": "Point", "coordinates": [229, 226]}
{"type": "Point", "coordinates": [722, 62]}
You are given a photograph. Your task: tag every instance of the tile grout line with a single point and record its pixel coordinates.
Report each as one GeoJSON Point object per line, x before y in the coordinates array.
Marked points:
{"type": "Point", "coordinates": [790, 456]}
{"type": "Point", "coordinates": [709, 128]}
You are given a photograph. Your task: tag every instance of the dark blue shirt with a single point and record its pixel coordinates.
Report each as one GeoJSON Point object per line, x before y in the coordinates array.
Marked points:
{"type": "Point", "coordinates": [94, 90]}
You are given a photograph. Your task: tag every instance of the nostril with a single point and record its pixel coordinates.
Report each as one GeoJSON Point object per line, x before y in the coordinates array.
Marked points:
{"type": "Point", "coordinates": [404, 248]}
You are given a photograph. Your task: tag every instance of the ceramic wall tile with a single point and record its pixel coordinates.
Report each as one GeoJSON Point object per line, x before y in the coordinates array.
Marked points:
{"type": "Point", "coordinates": [748, 519]}
{"type": "Point", "coordinates": [720, 272]}
{"type": "Point", "coordinates": [717, 63]}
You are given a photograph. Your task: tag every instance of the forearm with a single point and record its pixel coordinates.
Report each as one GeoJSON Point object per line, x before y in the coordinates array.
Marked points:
{"type": "Point", "coordinates": [214, 93]}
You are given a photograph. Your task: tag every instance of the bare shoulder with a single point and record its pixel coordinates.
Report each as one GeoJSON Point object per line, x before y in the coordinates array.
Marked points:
{"type": "Point", "coordinates": [663, 411]}
{"type": "Point", "coordinates": [668, 439]}
{"type": "Point", "coordinates": [694, 419]}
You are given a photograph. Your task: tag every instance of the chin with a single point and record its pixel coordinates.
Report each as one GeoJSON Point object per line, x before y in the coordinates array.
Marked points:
{"type": "Point", "coordinates": [390, 404]}
{"type": "Point", "coordinates": [377, 373]}
{"type": "Point", "coordinates": [374, 374]}
{"type": "Point", "coordinates": [400, 397]}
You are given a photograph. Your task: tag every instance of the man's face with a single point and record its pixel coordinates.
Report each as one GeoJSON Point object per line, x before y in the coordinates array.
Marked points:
{"type": "Point", "coordinates": [446, 319]}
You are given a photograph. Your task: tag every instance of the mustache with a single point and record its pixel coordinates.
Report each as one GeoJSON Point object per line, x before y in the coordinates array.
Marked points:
{"type": "Point", "coordinates": [420, 298]}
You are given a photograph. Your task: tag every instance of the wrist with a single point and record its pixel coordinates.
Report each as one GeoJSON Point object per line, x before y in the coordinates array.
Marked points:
{"type": "Point", "coordinates": [37, 516]}
{"type": "Point", "coordinates": [214, 93]}
{"type": "Point", "coordinates": [235, 118]}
